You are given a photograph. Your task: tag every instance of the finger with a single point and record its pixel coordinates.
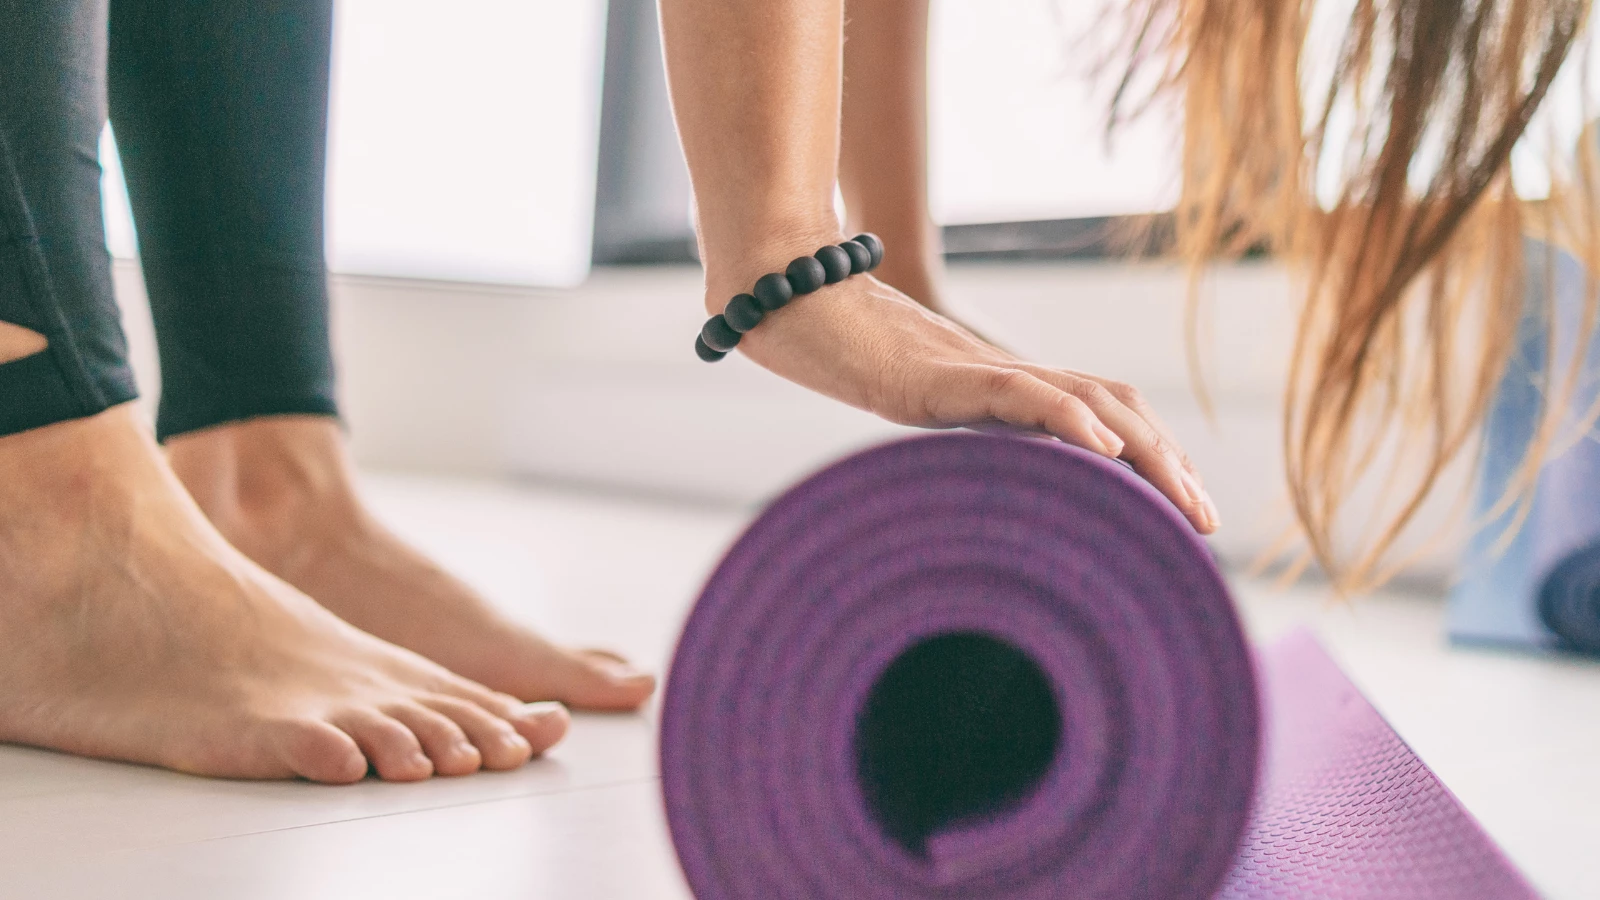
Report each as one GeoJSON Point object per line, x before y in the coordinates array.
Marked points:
{"type": "Point", "coordinates": [1135, 401]}
{"type": "Point", "coordinates": [1154, 457]}
{"type": "Point", "coordinates": [1019, 398]}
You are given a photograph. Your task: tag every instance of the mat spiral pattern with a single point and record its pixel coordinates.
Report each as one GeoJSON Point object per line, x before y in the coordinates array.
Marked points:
{"type": "Point", "coordinates": [830, 724]}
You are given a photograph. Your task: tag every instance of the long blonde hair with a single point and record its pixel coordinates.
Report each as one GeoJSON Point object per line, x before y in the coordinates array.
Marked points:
{"type": "Point", "coordinates": [1386, 183]}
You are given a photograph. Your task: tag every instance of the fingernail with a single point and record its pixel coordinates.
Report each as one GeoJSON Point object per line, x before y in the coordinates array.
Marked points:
{"type": "Point", "coordinates": [1113, 444]}
{"type": "Point", "coordinates": [1191, 486]}
{"type": "Point", "coordinates": [1211, 512]}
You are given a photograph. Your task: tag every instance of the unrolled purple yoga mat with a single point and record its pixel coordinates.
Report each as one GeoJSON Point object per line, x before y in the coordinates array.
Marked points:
{"type": "Point", "coordinates": [962, 666]}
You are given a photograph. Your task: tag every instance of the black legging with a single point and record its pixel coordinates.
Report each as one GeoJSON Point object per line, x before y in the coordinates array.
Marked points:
{"type": "Point", "coordinates": [220, 111]}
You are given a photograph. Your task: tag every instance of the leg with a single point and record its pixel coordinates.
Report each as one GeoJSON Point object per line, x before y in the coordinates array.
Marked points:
{"type": "Point", "coordinates": [883, 152]}
{"type": "Point", "coordinates": [221, 109]}
{"type": "Point", "coordinates": [129, 629]}
{"type": "Point", "coordinates": [62, 352]}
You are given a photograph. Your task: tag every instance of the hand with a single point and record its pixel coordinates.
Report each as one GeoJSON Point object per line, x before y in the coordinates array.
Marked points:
{"type": "Point", "coordinates": [868, 345]}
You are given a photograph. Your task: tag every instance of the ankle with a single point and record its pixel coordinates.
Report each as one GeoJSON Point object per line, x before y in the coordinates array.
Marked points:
{"type": "Point", "coordinates": [76, 493]}
{"type": "Point", "coordinates": [263, 482]}
{"type": "Point", "coordinates": [61, 467]}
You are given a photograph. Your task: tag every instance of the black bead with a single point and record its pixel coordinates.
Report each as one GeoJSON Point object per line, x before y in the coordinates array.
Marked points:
{"type": "Point", "coordinates": [860, 256]}
{"type": "Point", "coordinates": [835, 263]}
{"type": "Point", "coordinates": [705, 352]}
{"type": "Point", "coordinates": [718, 334]}
{"type": "Point", "coordinates": [874, 246]}
{"type": "Point", "coordinates": [806, 275]}
{"type": "Point", "coordinates": [743, 313]}
{"type": "Point", "coordinates": [772, 291]}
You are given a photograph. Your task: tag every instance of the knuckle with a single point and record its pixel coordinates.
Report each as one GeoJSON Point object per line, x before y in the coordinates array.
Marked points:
{"type": "Point", "coordinates": [1125, 392]}
{"type": "Point", "coordinates": [1092, 393]}
{"type": "Point", "coordinates": [1074, 407]}
{"type": "Point", "coordinates": [1002, 380]}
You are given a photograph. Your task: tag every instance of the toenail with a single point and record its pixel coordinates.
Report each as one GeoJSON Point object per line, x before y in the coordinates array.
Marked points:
{"type": "Point", "coordinates": [542, 709]}
{"type": "Point", "coordinates": [619, 669]}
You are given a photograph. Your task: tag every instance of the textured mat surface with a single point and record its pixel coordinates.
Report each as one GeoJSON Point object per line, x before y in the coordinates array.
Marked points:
{"type": "Point", "coordinates": [963, 666]}
{"type": "Point", "coordinates": [1531, 576]}
{"type": "Point", "coordinates": [1346, 810]}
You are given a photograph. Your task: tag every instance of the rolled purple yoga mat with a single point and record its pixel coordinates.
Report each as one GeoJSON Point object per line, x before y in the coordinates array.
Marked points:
{"type": "Point", "coordinates": [962, 666]}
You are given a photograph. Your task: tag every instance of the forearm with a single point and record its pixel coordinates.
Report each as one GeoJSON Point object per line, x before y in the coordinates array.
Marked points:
{"type": "Point", "coordinates": [755, 89]}
{"type": "Point", "coordinates": [883, 157]}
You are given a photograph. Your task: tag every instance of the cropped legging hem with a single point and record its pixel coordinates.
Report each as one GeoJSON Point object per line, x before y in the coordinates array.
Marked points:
{"type": "Point", "coordinates": [242, 410]}
{"type": "Point", "coordinates": [260, 348]}
{"type": "Point", "coordinates": [78, 374]}
{"type": "Point", "coordinates": [38, 394]}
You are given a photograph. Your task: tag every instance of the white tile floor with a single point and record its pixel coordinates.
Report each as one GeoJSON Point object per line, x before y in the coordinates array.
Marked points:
{"type": "Point", "coordinates": [1516, 738]}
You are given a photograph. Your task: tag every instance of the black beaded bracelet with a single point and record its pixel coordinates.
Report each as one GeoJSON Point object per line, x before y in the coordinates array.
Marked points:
{"type": "Point", "coordinates": [830, 265]}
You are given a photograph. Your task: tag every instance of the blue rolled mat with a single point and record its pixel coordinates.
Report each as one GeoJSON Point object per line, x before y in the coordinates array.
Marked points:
{"type": "Point", "coordinates": [1540, 590]}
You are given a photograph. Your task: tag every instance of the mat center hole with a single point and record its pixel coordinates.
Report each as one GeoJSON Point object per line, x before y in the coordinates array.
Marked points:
{"type": "Point", "coordinates": [959, 727]}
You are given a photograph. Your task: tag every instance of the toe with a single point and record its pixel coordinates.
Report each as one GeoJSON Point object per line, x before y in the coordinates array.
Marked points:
{"type": "Point", "coordinates": [445, 743]}
{"type": "Point", "coordinates": [542, 724]}
{"type": "Point", "coordinates": [602, 653]}
{"type": "Point", "coordinates": [596, 680]}
{"type": "Point", "coordinates": [391, 747]}
{"type": "Point", "coordinates": [534, 669]}
{"type": "Point", "coordinates": [601, 680]}
{"type": "Point", "coordinates": [499, 743]}
{"type": "Point", "coordinates": [318, 751]}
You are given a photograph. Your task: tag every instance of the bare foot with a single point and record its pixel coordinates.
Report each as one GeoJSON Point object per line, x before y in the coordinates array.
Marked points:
{"type": "Point", "coordinates": [129, 629]}
{"type": "Point", "coordinates": [281, 489]}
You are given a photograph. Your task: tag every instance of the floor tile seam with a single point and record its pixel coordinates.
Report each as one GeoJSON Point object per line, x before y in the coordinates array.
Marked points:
{"type": "Point", "coordinates": [78, 860]}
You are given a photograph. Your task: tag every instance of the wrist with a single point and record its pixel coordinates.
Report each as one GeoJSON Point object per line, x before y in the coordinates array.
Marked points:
{"type": "Point", "coordinates": [773, 291]}
{"type": "Point", "coordinates": [735, 254]}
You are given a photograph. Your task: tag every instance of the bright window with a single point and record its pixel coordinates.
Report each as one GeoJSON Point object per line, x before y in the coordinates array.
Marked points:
{"type": "Point", "coordinates": [1017, 128]}
{"type": "Point", "coordinates": [463, 141]}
